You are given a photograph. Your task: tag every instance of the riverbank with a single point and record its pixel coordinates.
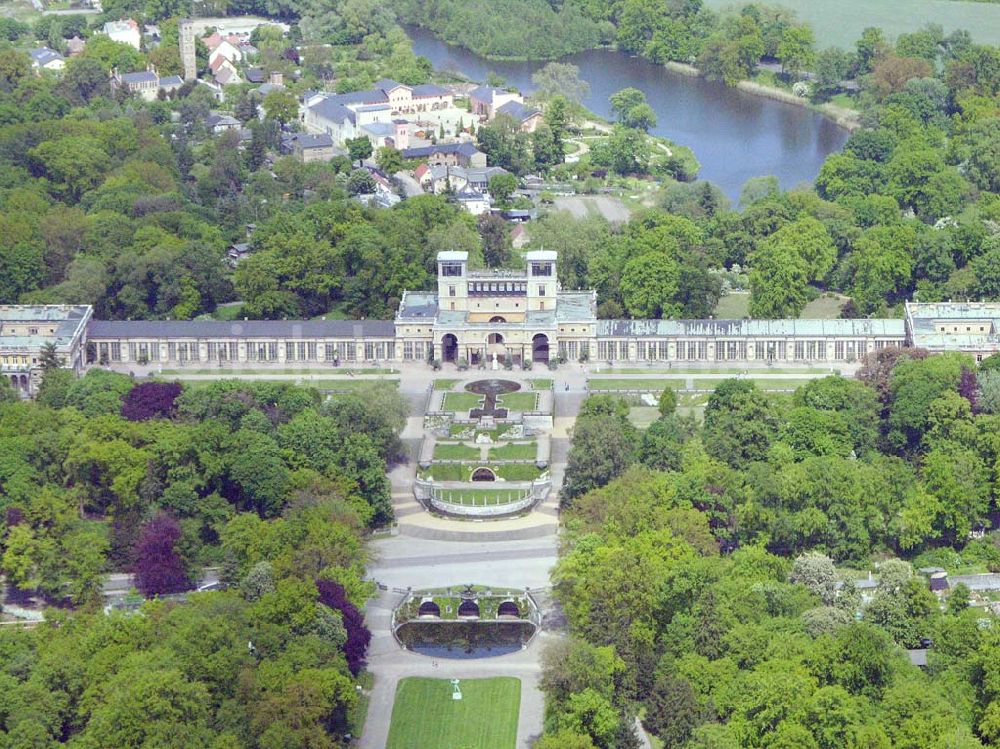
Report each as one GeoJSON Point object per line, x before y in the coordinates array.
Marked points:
{"type": "Point", "coordinates": [849, 119]}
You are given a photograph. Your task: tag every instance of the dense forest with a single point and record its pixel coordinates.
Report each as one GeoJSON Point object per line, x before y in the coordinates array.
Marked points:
{"type": "Point", "coordinates": [698, 578]}
{"type": "Point", "coordinates": [242, 472]}
{"type": "Point", "coordinates": [266, 482]}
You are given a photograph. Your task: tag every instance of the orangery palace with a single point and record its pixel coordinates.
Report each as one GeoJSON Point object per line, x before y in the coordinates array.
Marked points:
{"type": "Point", "coordinates": [477, 317]}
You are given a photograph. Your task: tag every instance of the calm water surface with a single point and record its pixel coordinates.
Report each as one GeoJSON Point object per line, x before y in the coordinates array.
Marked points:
{"type": "Point", "coordinates": [735, 136]}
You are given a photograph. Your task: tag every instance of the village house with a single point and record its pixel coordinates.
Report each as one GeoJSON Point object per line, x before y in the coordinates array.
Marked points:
{"type": "Point", "coordinates": [486, 100]}
{"type": "Point", "coordinates": [224, 72]}
{"type": "Point", "coordinates": [125, 31]}
{"type": "Point", "coordinates": [146, 84]}
{"type": "Point", "coordinates": [447, 154]}
{"type": "Point", "coordinates": [237, 253]}
{"type": "Point", "coordinates": [221, 123]}
{"type": "Point", "coordinates": [308, 148]}
{"type": "Point", "coordinates": [441, 179]}
{"type": "Point", "coordinates": [220, 46]}
{"type": "Point", "coordinates": [527, 118]}
{"type": "Point", "coordinates": [383, 196]}
{"type": "Point", "coordinates": [44, 58]}
{"type": "Point", "coordinates": [519, 237]}
{"type": "Point", "coordinates": [473, 201]}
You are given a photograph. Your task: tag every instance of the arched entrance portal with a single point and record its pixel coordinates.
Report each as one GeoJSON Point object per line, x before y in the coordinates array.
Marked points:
{"type": "Point", "coordinates": [540, 348]}
{"type": "Point", "coordinates": [495, 346]}
{"type": "Point", "coordinates": [449, 348]}
{"type": "Point", "coordinates": [497, 318]}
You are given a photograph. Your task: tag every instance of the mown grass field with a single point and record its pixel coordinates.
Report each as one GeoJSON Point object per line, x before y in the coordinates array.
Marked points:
{"type": "Point", "coordinates": [342, 385]}
{"type": "Point", "coordinates": [518, 401]}
{"type": "Point", "coordinates": [840, 23]}
{"type": "Point", "coordinates": [425, 716]}
{"type": "Point", "coordinates": [513, 451]}
{"type": "Point", "coordinates": [461, 401]}
{"type": "Point", "coordinates": [445, 451]}
{"type": "Point", "coordinates": [463, 472]}
{"type": "Point", "coordinates": [656, 385]}
{"type": "Point", "coordinates": [733, 306]}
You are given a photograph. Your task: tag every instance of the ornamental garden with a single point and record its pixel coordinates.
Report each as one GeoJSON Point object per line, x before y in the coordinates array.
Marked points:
{"type": "Point", "coordinates": [486, 447]}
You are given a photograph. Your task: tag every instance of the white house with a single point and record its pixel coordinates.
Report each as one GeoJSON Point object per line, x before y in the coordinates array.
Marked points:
{"type": "Point", "coordinates": [44, 58]}
{"type": "Point", "coordinates": [486, 100]}
{"type": "Point", "coordinates": [125, 31]}
{"type": "Point", "coordinates": [226, 49]}
{"type": "Point", "coordinates": [473, 201]}
{"type": "Point", "coordinates": [347, 116]}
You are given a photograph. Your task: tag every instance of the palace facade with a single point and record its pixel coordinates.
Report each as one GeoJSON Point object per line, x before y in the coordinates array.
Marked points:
{"type": "Point", "coordinates": [473, 317]}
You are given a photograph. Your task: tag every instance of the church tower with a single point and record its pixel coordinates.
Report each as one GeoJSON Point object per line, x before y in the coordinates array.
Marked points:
{"type": "Point", "coordinates": [188, 62]}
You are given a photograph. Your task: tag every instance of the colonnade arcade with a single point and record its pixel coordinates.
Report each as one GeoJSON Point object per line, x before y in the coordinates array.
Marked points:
{"type": "Point", "coordinates": [479, 347]}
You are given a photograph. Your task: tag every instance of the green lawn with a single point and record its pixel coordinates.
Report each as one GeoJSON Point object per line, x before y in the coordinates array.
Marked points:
{"type": "Point", "coordinates": [708, 368]}
{"type": "Point", "coordinates": [225, 372]}
{"type": "Point", "coordinates": [841, 23]}
{"type": "Point", "coordinates": [228, 312]}
{"type": "Point", "coordinates": [461, 401]}
{"type": "Point", "coordinates": [463, 472]}
{"type": "Point", "coordinates": [733, 306]}
{"type": "Point", "coordinates": [643, 416]}
{"type": "Point", "coordinates": [445, 451]}
{"type": "Point", "coordinates": [642, 384]}
{"type": "Point", "coordinates": [518, 471]}
{"type": "Point", "coordinates": [525, 451]}
{"type": "Point", "coordinates": [519, 401]}
{"type": "Point", "coordinates": [448, 472]}
{"type": "Point", "coordinates": [331, 385]}
{"type": "Point", "coordinates": [541, 384]}
{"type": "Point", "coordinates": [424, 715]}
{"type": "Point", "coordinates": [824, 308]}
{"type": "Point", "coordinates": [445, 384]}
{"type": "Point", "coordinates": [762, 383]}
{"type": "Point", "coordinates": [654, 385]}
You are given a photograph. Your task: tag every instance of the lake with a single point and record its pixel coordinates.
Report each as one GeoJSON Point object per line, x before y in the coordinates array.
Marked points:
{"type": "Point", "coordinates": [735, 135]}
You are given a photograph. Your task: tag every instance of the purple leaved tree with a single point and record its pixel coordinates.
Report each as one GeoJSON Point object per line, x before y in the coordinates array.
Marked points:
{"type": "Point", "coordinates": [968, 387]}
{"type": "Point", "coordinates": [333, 595]}
{"type": "Point", "coordinates": [157, 566]}
{"type": "Point", "coordinates": [150, 400]}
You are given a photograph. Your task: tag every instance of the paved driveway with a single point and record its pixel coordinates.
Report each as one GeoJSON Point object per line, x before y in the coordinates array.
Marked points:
{"type": "Point", "coordinates": [389, 663]}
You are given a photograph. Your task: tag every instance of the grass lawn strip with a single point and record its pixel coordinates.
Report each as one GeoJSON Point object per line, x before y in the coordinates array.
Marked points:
{"type": "Point", "coordinates": [541, 384]}
{"type": "Point", "coordinates": [331, 385]}
{"type": "Point", "coordinates": [460, 402]}
{"type": "Point", "coordinates": [519, 401]}
{"type": "Point", "coordinates": [424, 715]}
{"type": "Point", "coordinates": [463, 471]}
{"type": "Point", "coordinates": [525, 451]}
{"type": "Point", "coordinates": [446, 451]}
{"type": "Point", "coordinates": [303, 372]}
{"type": "Point", "coordinates": [445, 384]}
{"type": "Point", "coordinates": [653, 385]}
